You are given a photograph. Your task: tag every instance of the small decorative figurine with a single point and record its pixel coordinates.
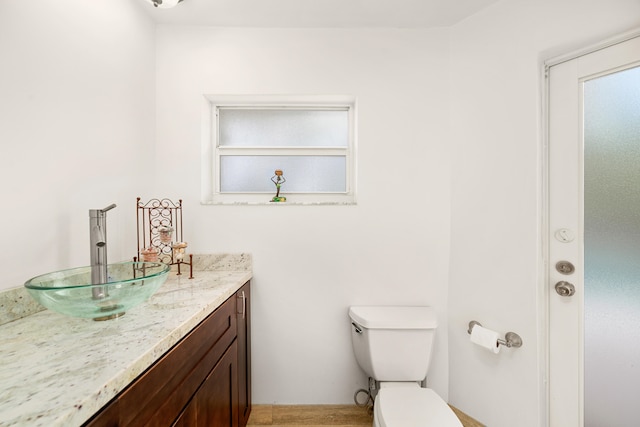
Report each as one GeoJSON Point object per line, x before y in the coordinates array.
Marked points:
{"type": "Point", "coordinates": [278, 179]}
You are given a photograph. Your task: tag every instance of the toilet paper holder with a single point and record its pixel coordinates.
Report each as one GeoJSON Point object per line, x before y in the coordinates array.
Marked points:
{"type": "Point", "coordinates": [511, 339]}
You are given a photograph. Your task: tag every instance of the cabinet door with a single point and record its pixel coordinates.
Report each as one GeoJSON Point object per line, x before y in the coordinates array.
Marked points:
{"type": "Point", "coordinates": [244, 353]}
{"type": "Point", "coordinates": [216, 401]}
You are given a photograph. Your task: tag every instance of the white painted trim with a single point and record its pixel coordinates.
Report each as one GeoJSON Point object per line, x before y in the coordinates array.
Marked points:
{"type": "Point", "coordinates": [206, 154]}
{"type": "Point", "coordinates": [544, 199]}
{"type": "Point", "coordinates": [210, 161]}
{"type": "Point", "coordinates": [592, 48]}
{"type": "Point", "coordinates": [543, 252]}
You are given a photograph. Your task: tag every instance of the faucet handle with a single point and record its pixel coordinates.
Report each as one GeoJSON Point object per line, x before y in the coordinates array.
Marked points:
{"type": "Point", "coordinates": [108, 208]}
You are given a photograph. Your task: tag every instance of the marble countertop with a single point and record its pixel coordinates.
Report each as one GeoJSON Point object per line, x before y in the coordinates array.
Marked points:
{"type": "Point", "coordinates": [59, 371]}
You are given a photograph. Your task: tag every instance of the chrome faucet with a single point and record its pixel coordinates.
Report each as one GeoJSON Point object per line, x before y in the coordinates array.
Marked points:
{"type": "Point", "coordinates": [98, 243]}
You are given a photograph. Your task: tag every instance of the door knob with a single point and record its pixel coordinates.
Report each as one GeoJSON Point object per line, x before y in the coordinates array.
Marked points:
{"type": "Point", "coordinates": [565, 289]}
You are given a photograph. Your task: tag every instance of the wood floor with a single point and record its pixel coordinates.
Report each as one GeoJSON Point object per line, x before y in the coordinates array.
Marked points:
{"type": "Point", "coordinates": [323, 415]}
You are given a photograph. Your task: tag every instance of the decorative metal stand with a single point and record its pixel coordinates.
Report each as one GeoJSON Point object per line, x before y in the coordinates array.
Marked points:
{"type": "Point", "coordinates": [159, 223]}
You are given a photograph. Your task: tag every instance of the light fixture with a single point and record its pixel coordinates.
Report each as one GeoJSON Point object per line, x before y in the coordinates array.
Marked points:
{"type": "Point", "coordinates": [164, 4]}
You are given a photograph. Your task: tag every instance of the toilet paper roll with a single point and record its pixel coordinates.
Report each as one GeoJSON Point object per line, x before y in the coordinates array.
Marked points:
{"type": "Point", "coordinates": [485, 338]}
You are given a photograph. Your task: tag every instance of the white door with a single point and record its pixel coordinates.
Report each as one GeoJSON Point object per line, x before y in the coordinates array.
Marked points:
{"type": "Point", "coordinates": [593, 227]}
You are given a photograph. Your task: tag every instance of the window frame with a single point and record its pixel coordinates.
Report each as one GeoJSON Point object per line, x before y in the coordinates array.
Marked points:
{"type": "Point", "coordinates": [212, 151]}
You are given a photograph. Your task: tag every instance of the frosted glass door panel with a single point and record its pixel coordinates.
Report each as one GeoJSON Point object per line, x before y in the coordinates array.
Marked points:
{"type": "Point", "coordinates": [612, 250]}
{"type": "Point", "coordinates": [303, 173]}
{"type": "Point", "coordinates": [283, 128]}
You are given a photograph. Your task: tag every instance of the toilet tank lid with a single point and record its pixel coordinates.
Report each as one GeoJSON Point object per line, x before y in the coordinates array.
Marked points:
{"type": "Point", "coordinates": [394, 317]}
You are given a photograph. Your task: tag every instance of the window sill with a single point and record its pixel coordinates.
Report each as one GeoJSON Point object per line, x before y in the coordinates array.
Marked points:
{"type": "Point", "coordinates": [292, 199]}
{"type": "Point", "coordinates": [287, 203]}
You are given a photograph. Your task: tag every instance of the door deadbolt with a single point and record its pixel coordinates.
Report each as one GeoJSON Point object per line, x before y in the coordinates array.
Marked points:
{"type": "Point", "coordinates": [565, 267]}
{"type": "Point", "coordinates": [565, 289]}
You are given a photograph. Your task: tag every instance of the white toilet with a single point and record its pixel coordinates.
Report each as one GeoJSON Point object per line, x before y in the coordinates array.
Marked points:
{"type": "Point", "coordinates": [393, 346]}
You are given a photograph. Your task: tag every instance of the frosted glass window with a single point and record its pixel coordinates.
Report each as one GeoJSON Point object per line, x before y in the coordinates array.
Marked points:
{"type": "Point", "coordinates": [310, 138]}
{"type": "Point", "coordinates": [303, 173]}
{"type": "Point", "coordinates": [242, 127]}
{"type": "Point", "coordinates": [612, 249]}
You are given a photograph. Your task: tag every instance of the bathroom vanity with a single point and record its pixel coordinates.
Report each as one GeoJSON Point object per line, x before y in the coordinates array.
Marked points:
{"type": "Point", "coordinates": [204, 380]}
{"type": "Point", "coordinates": [182, 358]}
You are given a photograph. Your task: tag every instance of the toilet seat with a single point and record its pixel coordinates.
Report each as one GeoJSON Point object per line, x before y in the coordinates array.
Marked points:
{"type": "Point", "coordinates": [412, 407]}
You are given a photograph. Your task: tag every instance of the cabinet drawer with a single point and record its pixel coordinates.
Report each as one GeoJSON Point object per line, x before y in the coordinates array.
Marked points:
{"type": "Point", "coordinates": [157, 396]}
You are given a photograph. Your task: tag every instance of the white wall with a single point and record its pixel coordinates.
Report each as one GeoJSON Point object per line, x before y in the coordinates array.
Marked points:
{"type": "Point", "coordinates": [77, 131]}
{"type": "Point", "coordinates": [312, 262]}
{"type": "Point", "coordinates": [77, 118]}
{"type": "Point", "coordinates": [496, 59]}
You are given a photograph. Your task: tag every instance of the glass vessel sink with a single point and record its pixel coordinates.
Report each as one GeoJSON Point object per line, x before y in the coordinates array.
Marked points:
{"type": "Point", "coordinates": [70, 291]}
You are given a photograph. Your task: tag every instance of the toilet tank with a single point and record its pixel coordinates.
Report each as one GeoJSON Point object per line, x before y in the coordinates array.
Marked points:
{"type": "Point", "coordinates": [393, 343]}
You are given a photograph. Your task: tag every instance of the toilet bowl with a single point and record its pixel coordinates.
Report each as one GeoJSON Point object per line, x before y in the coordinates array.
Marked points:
{"type": "Point", "coordinates": [393, 345]}
{"type": "Point", "coordinates": [411, 406]}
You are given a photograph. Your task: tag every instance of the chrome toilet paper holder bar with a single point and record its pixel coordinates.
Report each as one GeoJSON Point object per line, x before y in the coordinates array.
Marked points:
{"type": "Point", "coordinates": [511, 339]}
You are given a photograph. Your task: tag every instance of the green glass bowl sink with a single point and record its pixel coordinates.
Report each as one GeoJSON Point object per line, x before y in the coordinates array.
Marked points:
{"type": "Point", "coordinates": [70, 291]}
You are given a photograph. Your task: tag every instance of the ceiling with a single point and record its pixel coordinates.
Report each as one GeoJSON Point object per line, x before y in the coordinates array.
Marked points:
{"type": "Point", "coordinates": [319, 13]}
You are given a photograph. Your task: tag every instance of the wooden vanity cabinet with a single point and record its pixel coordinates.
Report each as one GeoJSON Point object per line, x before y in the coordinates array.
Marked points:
{"type": "Point", "coordinates": [204, 380]}
{"type": "Point", "coordinates": [243, 321]}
